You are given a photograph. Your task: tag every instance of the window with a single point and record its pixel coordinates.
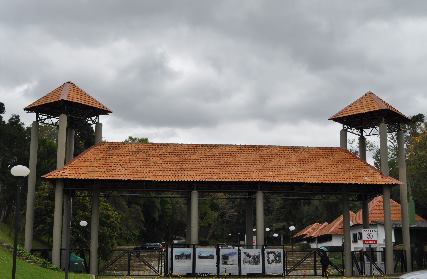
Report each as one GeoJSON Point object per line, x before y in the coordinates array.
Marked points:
{"type": "Point", "coordinates": [359, 235]}
{"type": "Point", "coordinates": [354, 237]}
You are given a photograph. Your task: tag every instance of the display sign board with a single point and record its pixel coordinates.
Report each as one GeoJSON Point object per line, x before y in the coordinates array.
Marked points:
{"type": "Point", "coordinates": [182, 260]}
{"type": "Point", "coordinates": [250, 260]}
{"type": "Point", "coordinates": [273, 261]}
{"type": "Point", "coordinates": [370, 236]}
{"type": "Point", "coordinates": [228, 262]}
{"type": "Point", "coordinates": [206, 260]}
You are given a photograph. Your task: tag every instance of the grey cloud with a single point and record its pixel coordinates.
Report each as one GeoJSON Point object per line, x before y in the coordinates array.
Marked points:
{"type": "Point", "coordinates": [269, 61]}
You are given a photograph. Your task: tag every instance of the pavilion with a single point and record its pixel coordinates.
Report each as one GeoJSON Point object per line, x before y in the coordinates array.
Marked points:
{"type": "Point", "coordinates": [193, 168]}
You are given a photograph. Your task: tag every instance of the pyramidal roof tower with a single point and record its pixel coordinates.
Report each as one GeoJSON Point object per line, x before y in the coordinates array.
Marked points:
{"type": "Point", "coordinates": [68, 107]}
{"type": "Point", "coordinates": [368, 112]}
{"type": "Point", "coordinates": [68, 99]}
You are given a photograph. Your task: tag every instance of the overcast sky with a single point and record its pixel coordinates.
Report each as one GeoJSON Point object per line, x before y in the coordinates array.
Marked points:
{"type": "Point", "coordinates": [241, 72]}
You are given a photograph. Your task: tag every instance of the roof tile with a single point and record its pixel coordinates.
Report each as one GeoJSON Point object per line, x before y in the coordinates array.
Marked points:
{"type": "Point", "coordinates": [215, 162]}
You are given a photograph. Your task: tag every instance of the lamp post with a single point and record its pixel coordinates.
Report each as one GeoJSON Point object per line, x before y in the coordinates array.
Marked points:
{"type": "Point", "coordinates": [20, 172]}
{"type": "Point", "coordinates": [291, 229]}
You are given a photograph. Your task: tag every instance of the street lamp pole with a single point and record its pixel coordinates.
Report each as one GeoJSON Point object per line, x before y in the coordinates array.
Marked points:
{"type": "Point", "coordinates": [20, 172]}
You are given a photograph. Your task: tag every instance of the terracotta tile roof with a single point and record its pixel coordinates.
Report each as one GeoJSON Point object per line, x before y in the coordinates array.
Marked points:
{"type": "Point", "coordinates": [376, 212]}
{"type": "Point", "coordinates": [307, 230]}
{"type": "Point", "coordinates": [310, 231]}
{"type": "Point", "coordinates": [367, 103]}
{"type": "Point", "coordinates": [215, 162]}
{"type": "Point", "coordinates": [71, 93]}
{"type": "Point", "coordinates": [336, 226]}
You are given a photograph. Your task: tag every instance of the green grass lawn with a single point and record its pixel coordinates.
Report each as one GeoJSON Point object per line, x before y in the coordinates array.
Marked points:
{"type": "Point", "coordinates": [25, 270]}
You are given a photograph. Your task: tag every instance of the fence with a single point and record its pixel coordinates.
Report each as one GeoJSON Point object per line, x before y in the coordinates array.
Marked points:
{"type": "Point", "coordinates": [196, 260]}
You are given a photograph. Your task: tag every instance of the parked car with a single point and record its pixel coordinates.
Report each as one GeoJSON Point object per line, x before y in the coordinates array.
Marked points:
{"type": "Point", "coordinates": [155, 246]}
{"type": "Point", "coordinates": [420, 274]}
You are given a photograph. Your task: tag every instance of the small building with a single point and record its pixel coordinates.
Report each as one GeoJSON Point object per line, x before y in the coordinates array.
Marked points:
{"type": "Point", "coordinates": [331, 234]}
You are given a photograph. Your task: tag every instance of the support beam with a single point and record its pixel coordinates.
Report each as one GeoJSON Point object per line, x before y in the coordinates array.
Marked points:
{"type": "Point", "coordinates": [388, 230]}
{"type": "Point", "coordinates": [98, 132]}
{"type": "Point", "coordinates": [188, 224]}
{"type": "Point", "coordinates": [94, 228]}
{"type": "Point", "coordinates": [259, 218]}
{"type": "Point", "coordinates": [69, 154]}
{"type": "Point", "coordinates": [347, 236]}
{"type": "Point", "coordinates": [94, 219]}
{"type": "Point", "coordinates": [365, 212]}
{"type": "Point", "coordinates": [249, 210]}
{"type": "Point", "coordinates": [362, 146]}
{"type": "Point", "coordinates": [194, 217]}
{"type": "Point", "coordinates": [59, 192]}
{"type": "Point", "coordinates": [65, 228]}
{"type": "Point", "coordinates": [343, 138]}
{"type": "Point", "coordinates": [32, 177]}
{"type": "Point", "coordinates": [404, 198]}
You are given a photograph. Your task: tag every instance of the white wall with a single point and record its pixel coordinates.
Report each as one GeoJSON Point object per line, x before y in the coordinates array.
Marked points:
{"type": "Point", "coordinates": [381, 236]}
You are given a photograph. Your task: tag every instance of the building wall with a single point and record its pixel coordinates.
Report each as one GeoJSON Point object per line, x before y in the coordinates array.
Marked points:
{"type": "Point", "coordinates": [356, 246]}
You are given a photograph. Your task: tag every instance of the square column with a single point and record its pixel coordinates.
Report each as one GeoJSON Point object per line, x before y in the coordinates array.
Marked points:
{"type": "Point", "coordinates": [404, 198]}
{"type": "Point", "coordinates": [94, 218]}
{"type": "Point", "coordinates": [188, 221]}
{"type": "Point", "coordinates": [32, 178]}
{"type": "Point", "coordinates": [386, 195]}
{"type": "Point", "coordinates": [194, 217]}
{"type": "Point", "coordinates": [249, 210]}
{"type": "Point", "coordinates": [59, 192]}
{"type": "Point", "coordinates": [347, 236]}
{"type": "Point", "coordinates": [69, 154]}
{"type": "Point", "coordinates": [259, 218]}
{"type": "Point", "coordinates": [343, 138]}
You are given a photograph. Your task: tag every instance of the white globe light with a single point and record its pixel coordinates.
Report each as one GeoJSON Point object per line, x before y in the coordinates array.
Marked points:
{"type": "Point", "coordinates": [292, 228]}
{"type": "Point", "coordinates": [275, 234]}
{"type": "Point", "coordinates": [267, 229]}
{"type": "Point", "coordinates": [83, 223]}
{"type": "Point", "coordinates": [254, 230]}
{"type": "Point", "coordinates": [20, 170]}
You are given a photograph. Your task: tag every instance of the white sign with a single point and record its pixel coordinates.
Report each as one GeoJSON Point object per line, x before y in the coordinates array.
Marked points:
{"type": "Point", "coordinates": [273, 261]}
{"type": "Point", "coordinates": [206, 261]}
{"type": "Point", "coordinates": [182, 260]}
{"type": "Point", "coordinates": [370, 236]}
{"type": "Point", "coordinates": [250, 260]}
{"type": "Point", "coordinates": [228, 262]}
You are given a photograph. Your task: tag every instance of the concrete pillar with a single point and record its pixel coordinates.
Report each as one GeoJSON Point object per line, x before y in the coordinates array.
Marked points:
{"type": "Point", "coordinates": [194, 217]}
{"type": "Point", "coordinates": [362, 146]}
{"type": "Point", "coordinates": [98, 132]}
{"type": "Point", "coordinates": [94, 228]}
{"type": "Point", "coordinates": [365, 212]}
{"type": "Point", "coordinates": [59, 191]}
{"type": "Point", "coordinates": [347, 236]}
{"type": "Point", "coordinates": [249, 210]}
{"type": "Point", "coordinates": [188, 225]}
{"type": "Point", "coordinates": [32, 177]}
{"type": "Point", "coordinates": [404, 198]}
{"type": "Point", "coordinates": [259, 218]}
{"type": "Point", "coordinates": [69, 154]}
{"type": "Point", "coordinates": [65, 227]}
{"type": "Point", "coordinates": [94, 219]}
{"type": "Point", "coordinates": [386, 195]}
{"type": "Point", "coordinates": [343, 138]}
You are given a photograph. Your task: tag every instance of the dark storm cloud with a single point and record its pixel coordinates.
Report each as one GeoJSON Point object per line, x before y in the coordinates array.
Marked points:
{"type": "Point", "coordinates": [187, 64]}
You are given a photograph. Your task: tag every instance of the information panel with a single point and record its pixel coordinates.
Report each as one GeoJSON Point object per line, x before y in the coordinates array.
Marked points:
{"type": "Point", "coordinates": [229, 260]}
{"type": "Point", "coordinates": [182, 260]}
{"type": "Point", "coordinates": [250, 260]}
{"type": "Point", "coordinates": [273, 261]}
{"type": "Point", "coordinates": [206, 260]}
{"type": "Point", "coordinates": [370, 236]}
